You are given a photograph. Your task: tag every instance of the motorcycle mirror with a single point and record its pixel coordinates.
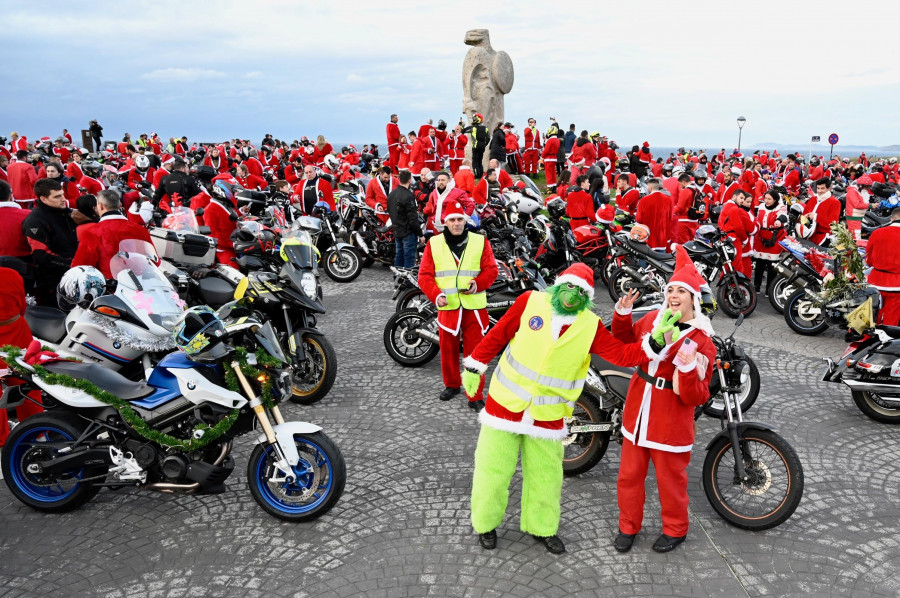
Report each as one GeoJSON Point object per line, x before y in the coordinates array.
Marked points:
{"type": "Point", "coordinates": [739, 321]}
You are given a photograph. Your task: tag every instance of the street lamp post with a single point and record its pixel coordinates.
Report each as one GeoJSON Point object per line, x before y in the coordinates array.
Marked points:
{"type": "Point", "coordinates": [740, 120]}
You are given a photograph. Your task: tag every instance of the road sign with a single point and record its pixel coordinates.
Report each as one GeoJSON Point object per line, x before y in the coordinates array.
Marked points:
{"type": "Point", "coordinates": [833, 139]}
{"type": "Point", "coordinates": [816, 139]}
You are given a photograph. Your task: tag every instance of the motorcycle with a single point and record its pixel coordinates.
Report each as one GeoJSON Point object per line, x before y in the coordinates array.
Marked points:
{"type": "Point", "coordinates": [373, 240]}
{"type": "Point", "coordinates": [340, 259]}
{"type": "Point", "coordinates": [127, 330]}
{"type": "Point", "coordinates": [751, 476]}
{"type": "Point", "coordinates": [407, 293]}
{"type": "Point", "coordinates": [151, 435]}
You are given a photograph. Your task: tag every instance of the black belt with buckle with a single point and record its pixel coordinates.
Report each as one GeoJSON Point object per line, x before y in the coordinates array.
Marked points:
{"type": "Point", "coordinates": [659, 383]}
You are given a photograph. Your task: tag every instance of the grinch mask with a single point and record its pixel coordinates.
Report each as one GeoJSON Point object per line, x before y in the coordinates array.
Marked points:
{"type": "Point", "coordinates": [568, 299]}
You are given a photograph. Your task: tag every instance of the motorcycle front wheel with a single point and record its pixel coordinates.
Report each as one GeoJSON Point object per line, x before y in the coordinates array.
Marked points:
{"type": "Point", "coordinates": [404, 344]}
{"type": "Point", "coordinates": [620, 283]}
{"type": "Point", "coordinates": [342, 265]}
{"type": "Point", "coordinates": [736, 297]}
{"type": "Point", "coordinates": [803, 316]}
{"type": "Point", "coordinates": [772, 489]}
{"type": "Point", "coordinates": [312, 380]}
{"type": "Point", "coordinates": [318, 483]}
{"type": "Point", "coordinates": [39, 439]}
{"type": "Point", "coordinates": [583, 450]}
{"type": "Point", "coordinates": [875, 407]}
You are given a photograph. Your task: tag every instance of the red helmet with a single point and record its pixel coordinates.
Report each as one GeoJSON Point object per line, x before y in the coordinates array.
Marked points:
{"type": "Point", "coordinates": [478, 116]}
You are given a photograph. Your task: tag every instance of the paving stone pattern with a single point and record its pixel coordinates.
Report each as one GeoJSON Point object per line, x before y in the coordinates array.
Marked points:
{"type": "Point", "coordinates": [402, 529]}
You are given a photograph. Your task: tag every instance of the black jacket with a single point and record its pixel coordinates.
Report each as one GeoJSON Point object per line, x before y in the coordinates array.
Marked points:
{"type": "Point", "coordinates": [404, 213]}
{"type": "Point", "coordinates": [478, 137]}
{"type": "Point", "coordinates": [179, 186]}
{"type": "Point", "coordinates": [51, 234]}
{"type": "Point", "coordinates": [498, 146]}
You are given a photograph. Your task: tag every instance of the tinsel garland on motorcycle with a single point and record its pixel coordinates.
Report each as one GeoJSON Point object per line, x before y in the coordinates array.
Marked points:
{"type": "Point", "coordinates": [166, 343]}
{"type": "Point", "coordinates": [209, 433]}
{"type": "Point", "coordinates": [849, 269]}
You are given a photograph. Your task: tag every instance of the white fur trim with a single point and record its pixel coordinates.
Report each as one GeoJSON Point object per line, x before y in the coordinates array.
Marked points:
{"type": "Point", "coordinates": [578, 282]}
{"type": "Point", "coordinates": [523, 427]}
{"type": "Point", "coordinates": [648, 351]}
{"type": "Point", "coordinates": [688, 368]}
{"type": "Point", "coordinates": [472, 364]}
{"type": "Point", "coordinates": [557, 322]}
{"type": "Point", "coordinates": [622, 311]}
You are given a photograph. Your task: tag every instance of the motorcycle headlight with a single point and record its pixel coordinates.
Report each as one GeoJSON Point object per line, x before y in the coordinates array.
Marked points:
{"type": "Point", "coordinates": [308, 284]}
{"type": "Point", "coordinates": [730, 251]}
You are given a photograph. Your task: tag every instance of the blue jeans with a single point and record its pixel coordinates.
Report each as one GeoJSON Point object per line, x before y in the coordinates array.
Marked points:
{"type": "Point", "coordinates": [406, 251]}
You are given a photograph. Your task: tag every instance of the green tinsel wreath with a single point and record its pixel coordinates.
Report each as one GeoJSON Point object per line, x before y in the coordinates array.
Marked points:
{"type": "Point", "coordinates": [210, 433]}
{"type": "Point", "coordinates": [849, 269]}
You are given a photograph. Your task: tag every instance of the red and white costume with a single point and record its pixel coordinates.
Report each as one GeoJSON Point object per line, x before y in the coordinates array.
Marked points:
{"type": "Point", "coordinates": [392, 131]}
{"type": "Point", "coordinates": [655, 211]}
{"type": "Point", "coordinates": [218, 218]}
{"type": "Point", "coordinates": [770, 223]}
{"type": "Point", "coordinates": [857, 202]}
{"type": "Point", "coordinates": [100, 243]}
{"type": "Point", "coordinates": [436, 208]}
{"type": "Point", "coordinates": [456, 147]}
{"type": "Point", "coordinates": [550, 156]}
{"type": "Point", "coordinates": [464, 179]}
{"type": "Point", "coordinates": [882, 255]}
{"type": "Point", "coordinates": [532, 150]}
{"type": "Point", "coordinates": [377, 196]}
{"type": "Point", "coordinates": [737, 223]}
{"type": "Point", "coordinates": [821, 211]}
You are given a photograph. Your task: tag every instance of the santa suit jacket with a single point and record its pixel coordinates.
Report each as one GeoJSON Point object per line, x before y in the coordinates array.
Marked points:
{"type": "Point", "coordinates": [91, 185]}
{"type": "Point", "coordinates": [824, 212]}
{"type": "Point", "coordinates": [628, 200]}
{"type": "Point", "coordinates": [451, 319]}
{"type": "Point", "coordinates": [375, 192]}
{"type": "Point", "coordinates": [661, 418]}
{"type": "Point", "coordinates": [324, 188]}
{"type": "Point", "coordinates": [725, 192]}
{"type": "Point", "coordinates": [579, 208]}
{"type": "Point", "coordinates": [655, 211]}
{"type": "Point", "coordinates": [551, 149]}
{"type": "Point", "coordinates": [770, 223]}
{"type": "Point", "coordinates": [465, 180]}
{"type": "Point", "coordinates": [532, 139]}
{"type": "Point", "coordinates": [392, 132]}
{"type": "Point", "coordinates": [12, 241]}
{"type": "Point", "coordinates": [220, 163]}
{"type": "Point", "coordinates": [456, 147]}
{"type": "Point", "coordinates": [22, 178]}
{"type": "Point", "coordinates": [737, 223]}
{"type": "Point", "coordinates": [437, 202]}
{"type": "Point", "coordinates": [882, 255]}
{"type": "Point", "coordinates": [218, 218]}
{"type": "Point", "coordinates": [100, 243]}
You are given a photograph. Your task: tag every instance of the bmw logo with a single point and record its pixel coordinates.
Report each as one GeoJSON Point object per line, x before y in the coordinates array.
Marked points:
{"type": "Point", "coordinates": [535, 323]}
{"type": "Point", "coordinates": [117, 345]}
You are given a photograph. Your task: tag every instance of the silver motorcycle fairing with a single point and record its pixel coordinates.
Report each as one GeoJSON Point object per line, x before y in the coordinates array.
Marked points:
{"type": "Point", "coordinates": [198, 389]}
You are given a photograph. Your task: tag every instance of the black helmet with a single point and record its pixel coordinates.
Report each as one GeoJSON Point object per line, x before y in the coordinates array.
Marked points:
{"type": "Point", "coordinates": [203, 172]}
{"type": "Point", "coordinates": [556, 208]}
{"type": "Point", "coordinates": [200, 335]}
{"type": "Point", "coordinates": [623, 165]}
{"type": "Point", "coordinates": [814, 161]}
{"type": "Point", "coordinates": [442, 126]}
{"type": "Point", "coordinates": [91, 168]}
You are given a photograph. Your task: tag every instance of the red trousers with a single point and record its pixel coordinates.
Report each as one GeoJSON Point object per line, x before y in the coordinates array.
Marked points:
{"type": "Point", "coordinates": [471, 336]}
{"type": "Point", "coordinates": [531, 161]}
{"type": "Point", "coordinates": [550, 172]}
{"type": "Point", "coordinates": [394, 157]}
{"type": "Point", "coordinates": [742, 261]}
{"type": "Point", "coordinates": [671, 481]}
{"type": "Point", "coordinates": [454, 165]}
{"type": "Point", "coordinates": [23, 411]}
{"type": "Point", "coordinates": [890, 311]}
{"type": "Point", "coordinates": [685, 231]}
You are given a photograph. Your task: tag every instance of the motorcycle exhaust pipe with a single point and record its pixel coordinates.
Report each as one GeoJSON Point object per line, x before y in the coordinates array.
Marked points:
{"type": "Point", "coordinates": [176, 488]}
{"type": "Point", "coordinates": [876, 388]}
{"type": "Point", "coordinates": [361, 243]}
{"type": "Point", "coordinates": [428, 336]}
{"type": "Point", "coordinates": [637, 276]}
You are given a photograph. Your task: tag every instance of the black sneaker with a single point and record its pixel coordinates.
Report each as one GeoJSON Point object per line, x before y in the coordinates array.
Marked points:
{"type": "Point", "coordinates": [448, 393]}
{"type": "Point", "coordinates": [476, 405]}
{"type": "Point", "coordinates": [488, 540]}
{"type": "Point", "coordinates": [623, 541]}
{"type": "Point", "coordinates": [552, 543]}
{"type": "Point", "coordinates": [666, 543]}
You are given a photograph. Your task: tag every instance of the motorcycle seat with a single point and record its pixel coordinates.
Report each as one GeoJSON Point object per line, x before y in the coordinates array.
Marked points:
{"type": "Point", "coordinates": [892, 331]}
{"type": "Point", "coordinates": [656, 255]}
{"type": "Point", "coordinates": [105, 378]}
{"type": "Point", "coordinates": [609, 369]}
{"type": "Point", "coordinates": [385, 229]}
{"type": "Point", "coordinates": [46, 323]}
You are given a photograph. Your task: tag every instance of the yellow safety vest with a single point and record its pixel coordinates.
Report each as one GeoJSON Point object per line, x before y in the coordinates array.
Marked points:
{"type": "Point", "coordinates": [537, 372]}
{"type": "Point", "coordinates": [452, 278]}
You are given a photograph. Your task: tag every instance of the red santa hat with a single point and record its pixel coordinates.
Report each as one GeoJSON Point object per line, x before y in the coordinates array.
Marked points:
{"type": "Point", "coordinates": [606, 214]}
{"type": "Point", "coordinates": [646, 144]}
{"type": "Point", "coordinates": [865, 180]}
{"type": "Point", "coordinates": [687, 277]}
{"type": "Point", "coordinates": [453, 209]}
{"type": "Point", "coordinates": [580, 275]}
{"type": "Point", "coordinates": [167, 158]}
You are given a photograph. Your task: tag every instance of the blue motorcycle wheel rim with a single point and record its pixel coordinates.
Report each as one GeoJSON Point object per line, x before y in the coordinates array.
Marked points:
{"type": "Point", "coordinates": [47, 494]}
{"type": "Point", "coordinates": [312, 457]}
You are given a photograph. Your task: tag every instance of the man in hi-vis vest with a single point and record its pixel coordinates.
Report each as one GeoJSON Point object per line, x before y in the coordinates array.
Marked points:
{"type": "Point", "coordinates": [457, 268]}
{"type": "Point", "coordinates": [534, 388]}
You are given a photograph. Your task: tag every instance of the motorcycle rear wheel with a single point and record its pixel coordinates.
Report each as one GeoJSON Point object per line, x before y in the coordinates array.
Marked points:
{"type": "Point", "coordinates": [736, 297]}
{"type": "Point", "coordinates": [584, 450]}
{"type": "Point", "coordinates": [773, 490]}
{"type": "Point", "coordinates": [778, 291]}
{"type": "Point", "coordinates": [47, 492]}
{"type": "Point", "coordinates": [311, 389]}
{"type": "Point", "coordinates": [873, 407]}
{"type": "Point", "coordinates": [403, 344]}
{"type": "Point", "coordinates": [342, 265]}
{"type": "Point", "coordinates": [798, 317]}
{"type": "Point", "coordinates": [320, 478]}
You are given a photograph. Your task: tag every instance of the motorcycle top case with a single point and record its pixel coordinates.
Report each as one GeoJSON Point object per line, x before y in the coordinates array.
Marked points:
{"type": "Point", "coordinates": [184, 248]}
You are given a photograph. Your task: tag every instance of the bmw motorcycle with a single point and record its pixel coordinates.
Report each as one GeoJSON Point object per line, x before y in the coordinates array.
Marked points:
{"type": "Point", "coordinates": [58, 460]}
{"type": "Point", "coordinates": [751, 476]}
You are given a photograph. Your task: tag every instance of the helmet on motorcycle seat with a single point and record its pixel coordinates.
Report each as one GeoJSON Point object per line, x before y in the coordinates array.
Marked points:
{"type": "Point", "coordinates": [141, 162]}
{"type": "Point", "coordinates": [80, 286]}
{"type": "Point", "coordinates": [203, 172]}
{"type": "Point", "coordinates": [223, 190]}
{"type": "Point", "coordinates": [639, 233]}
{"type": "Point", "coordinates": [556, 208]}
{"type": "Point", "coordinates": [200, 335]}
{"type": "Point", "coordinates": [91, 168]}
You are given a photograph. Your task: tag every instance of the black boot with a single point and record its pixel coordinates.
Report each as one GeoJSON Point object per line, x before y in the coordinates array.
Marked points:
{"type": "Point", "coordinates": [623, 541]}
{"type": "Point", "coordinates": [488, 540]}
{"type": "Point", "coordinates": [552, 543]}
{"type": "Point", "coordinates": [666, 543]}
{"type": "Point", "coordinates": [448, 393]}
{"type": "Point", "coordinates": [477, 406]}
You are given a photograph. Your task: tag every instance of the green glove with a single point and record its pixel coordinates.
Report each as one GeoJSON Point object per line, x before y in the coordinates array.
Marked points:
{"type": "Point", "coordinates": [667, 324]}
{"type": "Point", "coordinates": [470, 381]}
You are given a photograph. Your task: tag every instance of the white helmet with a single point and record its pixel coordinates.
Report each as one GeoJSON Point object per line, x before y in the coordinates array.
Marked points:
{"type": "Point", "coordinates": [331, 162]}
{"type": "Point", "coordinates": [80, 286]}
{"type": "Point", "coordinates": [141, 162]}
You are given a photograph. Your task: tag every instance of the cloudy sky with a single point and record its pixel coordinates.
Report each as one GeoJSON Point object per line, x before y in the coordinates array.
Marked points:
{"type": "Point", "coordinates": [670, 72]}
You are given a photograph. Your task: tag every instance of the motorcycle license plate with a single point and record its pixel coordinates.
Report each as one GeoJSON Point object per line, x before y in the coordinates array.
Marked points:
{"type": "Point", "coordinates": [581, 429]}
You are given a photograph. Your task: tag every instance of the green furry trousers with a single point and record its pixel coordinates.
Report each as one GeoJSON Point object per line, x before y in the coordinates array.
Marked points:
{"type": "Point", "coordinates": [542, 476]}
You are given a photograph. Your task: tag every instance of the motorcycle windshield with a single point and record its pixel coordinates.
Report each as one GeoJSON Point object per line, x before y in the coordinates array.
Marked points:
{"type": "Point", "coordinates": [309, 224]}
{"type": "Point", "coordinates": [136, 246]}
{"type": "Point", "coordinates": [146, 289]}
{"type": "Point", "coordinates": [301, 255]}
{"type": "Point", "coordinates": [182, 220]}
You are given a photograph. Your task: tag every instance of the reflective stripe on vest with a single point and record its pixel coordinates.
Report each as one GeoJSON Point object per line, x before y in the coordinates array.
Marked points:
{"type": "Point", "coordinates": [452, 277]}
{"type": "Point", "coordinates": [539, 373]}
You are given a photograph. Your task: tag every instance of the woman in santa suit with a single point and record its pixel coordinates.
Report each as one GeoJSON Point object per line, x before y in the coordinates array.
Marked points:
{"type": "Point", "coordinates": [658, 421]}
{"type": "Point", "coordinates": [321, 149]}
{"type": "Point", "coordinates": [221, 218]}
{"type": "Point", "coordinates": [217, 159]}
{"type": "Point", "coordinates": [14, 331]}
{"type": "Point", "coordinates": [771, 219]}
{"type": "Point", "coordinates": [403, 156]}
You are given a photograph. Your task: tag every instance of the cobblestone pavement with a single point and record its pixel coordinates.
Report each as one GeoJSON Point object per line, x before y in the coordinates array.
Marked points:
{"type": "Point", "coordinates": [401, 528]}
